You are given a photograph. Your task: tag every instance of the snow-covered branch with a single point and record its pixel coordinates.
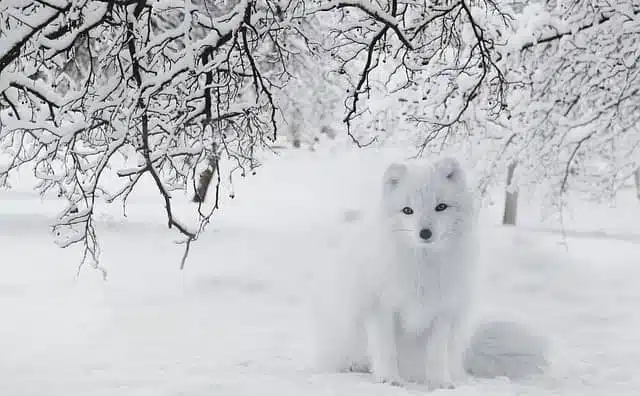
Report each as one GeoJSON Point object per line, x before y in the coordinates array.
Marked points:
{"type": "Point", "coordinates": [95, 97]}
{"type": "Point", "coordinates": [442, 56]}
{"type": "Point", "coordinates": [371, 9]}
{"type": "Point", "coordinates": [158, 88]}
{"type": "Point", "coordinates": [578, 111]}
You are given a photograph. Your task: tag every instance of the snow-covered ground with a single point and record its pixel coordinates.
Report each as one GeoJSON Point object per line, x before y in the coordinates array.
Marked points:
{"type": "Point", "coordinates": [239, 319]}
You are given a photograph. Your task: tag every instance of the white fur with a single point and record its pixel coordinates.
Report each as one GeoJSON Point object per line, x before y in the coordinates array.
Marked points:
{"type": "Point", "coordinates": [405, 312]}
{"type": "Point", "coordinates": [412, 294]}
{"type": "Point", "coordinates": [505, 349]}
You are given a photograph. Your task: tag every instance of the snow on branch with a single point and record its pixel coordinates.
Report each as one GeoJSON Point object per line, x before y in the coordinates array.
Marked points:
{"type": "Point", "coordinates": [578, 108]}
{"type": "Point", "coordinates": [15, 39]}
{"type": "Point", "coordinates": [372, 10]}
{"type": "Point", "coordinates": [441, 54]}
{"type": "Point", "coordinates": [95, 97]}
{"type": "Point", "coordinates": [604, 17]}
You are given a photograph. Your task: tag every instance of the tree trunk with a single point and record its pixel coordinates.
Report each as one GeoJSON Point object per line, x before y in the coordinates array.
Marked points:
{"type": "Point", "coordinates": [636, 176]}
{"type": "Point", "coordinates": [205, 177]}
{"type": "Point", "coordinates": [511, 199]}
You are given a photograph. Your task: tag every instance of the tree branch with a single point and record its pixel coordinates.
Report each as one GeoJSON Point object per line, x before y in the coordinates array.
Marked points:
{"type": "Point", "coordinates": [10, 51]}
{"type": "Point", "coordinates": [379, 15]}
{"type": "Point", "coordinates": [603, 18]}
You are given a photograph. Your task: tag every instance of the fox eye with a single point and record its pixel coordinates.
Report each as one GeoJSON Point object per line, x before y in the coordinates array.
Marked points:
{"type": "Point", "coordinates": [407, 210]}
{"type": "Point", "coordinates": [440, 207]}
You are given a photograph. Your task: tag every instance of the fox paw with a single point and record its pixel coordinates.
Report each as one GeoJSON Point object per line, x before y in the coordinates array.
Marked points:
{"type": "Point", "coordinates": [389, 380]}
{"type": "Point", "coordinates": [440, 384]}
{"type": "Point", "coordinates": [357, 367]}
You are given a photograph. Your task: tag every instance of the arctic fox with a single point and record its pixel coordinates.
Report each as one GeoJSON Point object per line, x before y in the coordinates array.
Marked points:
{"type": "Point", "coordinates": [410, 290]}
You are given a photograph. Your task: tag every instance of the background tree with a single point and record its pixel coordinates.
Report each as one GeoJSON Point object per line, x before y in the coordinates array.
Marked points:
{"type": "Point", "coordinates": [578, 106]}
{"type": "Point", "coordinates": [570, 115]}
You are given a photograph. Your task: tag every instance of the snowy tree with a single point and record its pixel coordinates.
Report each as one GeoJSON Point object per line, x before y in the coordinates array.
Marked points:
{"type": "Point", "coordinates": [96, 95]}
{"type": "Point", "coordinates": [441, 58]}
{"type": "Point", "coordinates": [577, 110]}
{"type": "Point", "coordinates": [157, 89]}
{"type": "Point", "coordinates": [570, 115]}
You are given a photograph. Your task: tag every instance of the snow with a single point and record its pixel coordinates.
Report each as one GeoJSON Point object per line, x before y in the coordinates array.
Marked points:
{"type": "Point", "coordinates": [369, 8]}
{"type": "Point", "coordinates": [239, 320]}
{"type": "Point", "coordinates": [89, 19]}
{"type": "Point", "coordinates": [25, 28]}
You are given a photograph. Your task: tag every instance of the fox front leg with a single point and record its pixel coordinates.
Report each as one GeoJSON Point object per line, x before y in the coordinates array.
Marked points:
{"type": "Point", "coordinates": [457, 346]}
{"type": "Point", "coordinates": [382, 348]}
{"type": "Point", "coordinates": [437, 354]}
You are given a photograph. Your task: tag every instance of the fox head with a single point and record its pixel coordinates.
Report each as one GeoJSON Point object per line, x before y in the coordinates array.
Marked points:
{"type": "Point", "coordinates": [427, 205]}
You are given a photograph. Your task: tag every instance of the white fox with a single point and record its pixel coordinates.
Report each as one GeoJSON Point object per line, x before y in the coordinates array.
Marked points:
{"type": "Point", "coordinates": [410, 290]}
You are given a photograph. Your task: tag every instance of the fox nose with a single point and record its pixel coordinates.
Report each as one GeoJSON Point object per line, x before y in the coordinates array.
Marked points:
{"type": "Point", "coordinates": [425, 234]}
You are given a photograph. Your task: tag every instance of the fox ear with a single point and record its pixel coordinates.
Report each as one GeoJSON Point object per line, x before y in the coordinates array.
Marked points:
{"type": "Point", "coordinates": [451, 168]}
{"type": "Point", "coordinates": [394, 174]}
